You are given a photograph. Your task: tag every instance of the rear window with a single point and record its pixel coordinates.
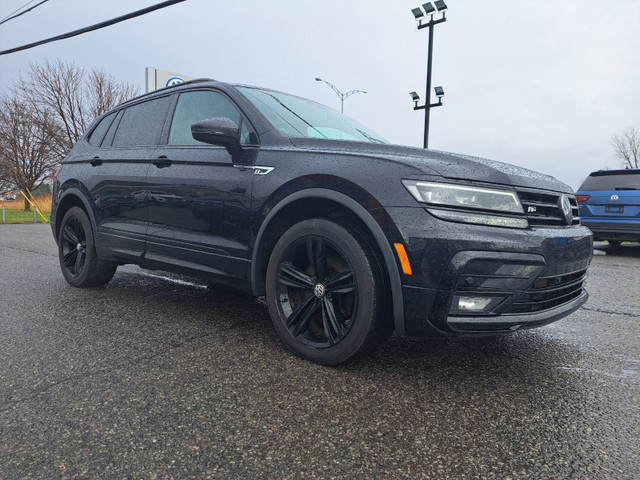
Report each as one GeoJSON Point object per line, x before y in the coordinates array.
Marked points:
{"type": "Point", "coordinates": [613, 180]}
{"type": "Point", "coordinates": [142, 124]}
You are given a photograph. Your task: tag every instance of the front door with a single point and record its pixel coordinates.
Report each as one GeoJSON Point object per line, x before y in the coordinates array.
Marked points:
{"type": "Point", "coordinates": [199, 208]}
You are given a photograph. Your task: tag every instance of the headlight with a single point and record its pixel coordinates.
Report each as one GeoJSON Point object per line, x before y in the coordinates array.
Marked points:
{"type": "Point", "coordinates": [460, 201]}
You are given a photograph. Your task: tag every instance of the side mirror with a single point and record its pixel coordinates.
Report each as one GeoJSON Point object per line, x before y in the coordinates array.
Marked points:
{"type": "Point", "coordinates": [218, 131]}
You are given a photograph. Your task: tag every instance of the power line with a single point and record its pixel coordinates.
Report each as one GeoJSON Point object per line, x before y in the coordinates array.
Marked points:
{"type": "Point", "coordinates": [97, 26]}
{"type": "Point", "coordinates": [22, 13]}
{"type": "Point", "coordinates": [17, 10]}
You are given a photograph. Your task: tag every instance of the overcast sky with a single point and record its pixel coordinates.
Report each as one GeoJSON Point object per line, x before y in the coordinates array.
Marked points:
{"type": "Point", "coordinates": [543, 84]}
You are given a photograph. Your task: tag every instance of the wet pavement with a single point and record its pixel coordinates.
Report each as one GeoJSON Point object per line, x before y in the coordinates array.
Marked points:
{"type": "Point", "coordinates": [158, 378]}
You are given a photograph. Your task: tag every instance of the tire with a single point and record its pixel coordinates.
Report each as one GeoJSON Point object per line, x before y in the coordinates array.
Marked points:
{"type": "Point", "coordinates": [326, 292]}
{"type": "Point", "coordinates": [614, 243]}
{"type": "Point", "coordinates": [77, 254]}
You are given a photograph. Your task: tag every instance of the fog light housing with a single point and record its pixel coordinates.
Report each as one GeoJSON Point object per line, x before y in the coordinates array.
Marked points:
{"type": "Point", "coordinates": [469, 304]}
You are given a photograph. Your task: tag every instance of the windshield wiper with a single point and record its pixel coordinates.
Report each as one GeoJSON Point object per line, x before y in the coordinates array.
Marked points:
{"type": "Point", "coordinates": [369, 137]}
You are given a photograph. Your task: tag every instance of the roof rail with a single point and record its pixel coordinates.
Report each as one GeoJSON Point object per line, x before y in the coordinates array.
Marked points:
{"type": "Point", "coordinates": [189, 82]}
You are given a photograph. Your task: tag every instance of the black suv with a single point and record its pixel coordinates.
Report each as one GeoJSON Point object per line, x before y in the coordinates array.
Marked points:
{"type": "Point", "coordinates": [348, 237]}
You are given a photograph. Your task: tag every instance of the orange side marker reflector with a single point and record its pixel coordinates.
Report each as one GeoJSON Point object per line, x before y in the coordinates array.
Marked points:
{"type": "Point", "coordinates": [404, 260]}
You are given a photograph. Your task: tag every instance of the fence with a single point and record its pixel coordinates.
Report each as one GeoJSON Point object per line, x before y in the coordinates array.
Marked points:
{"type": "Point", "coordinates": [13, 210]}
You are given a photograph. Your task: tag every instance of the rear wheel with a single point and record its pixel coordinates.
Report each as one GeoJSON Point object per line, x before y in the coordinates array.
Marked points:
{"type": "Point", "coordinates": [77, 254]}
{"type": "Point", "coordinates": [614, 243]}
{"type": "Point", "coordinates": [325, 291]}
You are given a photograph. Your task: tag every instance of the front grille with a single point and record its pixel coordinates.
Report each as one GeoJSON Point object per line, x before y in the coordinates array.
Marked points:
{"type": "Point", "coordinates": [556, 286]}
{"type": "Point", "coordinates": [543, 208]}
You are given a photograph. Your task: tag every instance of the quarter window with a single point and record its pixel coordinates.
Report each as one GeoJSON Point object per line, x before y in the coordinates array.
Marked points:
{"type": "Point", "coordinates": [98, 133]}
{"type": "Point", "coordinates": [196, 106]}
{"type": "Point", "coordinates": [142, 124]}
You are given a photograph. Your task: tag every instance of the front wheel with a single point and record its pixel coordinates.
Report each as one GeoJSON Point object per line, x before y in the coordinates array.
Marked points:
{"type": "Point", "coordinates": [77, 254]}
{"type": "Point", "coordinates": [614, 243]}
{"type": "Point", "coordinates": [325, 291]}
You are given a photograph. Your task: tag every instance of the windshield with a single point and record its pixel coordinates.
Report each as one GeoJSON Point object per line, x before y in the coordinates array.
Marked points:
{"type": "Point", "coordinates": [613, 180]}
{"type": "Point", "coordinates": [296, 117]}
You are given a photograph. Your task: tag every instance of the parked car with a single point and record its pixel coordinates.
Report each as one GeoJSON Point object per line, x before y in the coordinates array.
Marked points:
{"type": "Point", "coordinates": [349, 237]}
{"type": "Point", "coordinates": [8, 196]}
{"type": "Point", "coordinates": [609, 202]}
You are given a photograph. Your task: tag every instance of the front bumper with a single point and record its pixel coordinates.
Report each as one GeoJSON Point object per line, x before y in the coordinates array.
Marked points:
{"type": "Point", "coordinates": [528, 277]}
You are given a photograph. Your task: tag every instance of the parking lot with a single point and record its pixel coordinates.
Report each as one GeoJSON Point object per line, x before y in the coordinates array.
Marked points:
{"type": "Point", "coordinates": [155, 377]}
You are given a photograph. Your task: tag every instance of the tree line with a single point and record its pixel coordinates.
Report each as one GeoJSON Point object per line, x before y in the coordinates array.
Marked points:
{"type": "Point", "coordinates": [44, 114]}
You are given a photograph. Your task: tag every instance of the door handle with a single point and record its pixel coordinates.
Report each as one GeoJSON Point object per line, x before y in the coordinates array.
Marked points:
{"type": "Point", "coordinates": [95, 162]}
{"type": "Point", "coordinates": [162, 162]}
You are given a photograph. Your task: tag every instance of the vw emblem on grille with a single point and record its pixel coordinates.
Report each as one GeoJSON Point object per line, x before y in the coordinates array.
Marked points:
{"type": "Point", "coordinates": [565, 206]}
{"type": "Point", "coordinates": [614, 198]}
{"type": "Point", "coordinates": [319, 290]}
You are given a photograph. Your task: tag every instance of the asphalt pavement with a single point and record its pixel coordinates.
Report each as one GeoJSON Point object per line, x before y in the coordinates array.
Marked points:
{"type": "Point", "coordinates": [155, 377]}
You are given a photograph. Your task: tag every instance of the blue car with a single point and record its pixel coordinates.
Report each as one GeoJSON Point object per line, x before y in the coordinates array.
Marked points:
{"type": "Point", "coordinates": [609, 205]}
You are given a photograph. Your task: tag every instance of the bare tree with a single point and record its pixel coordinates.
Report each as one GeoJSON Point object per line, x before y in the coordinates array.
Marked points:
{"type": "Point", "coordinates": [5, 184]}
{"type": "Point", "coordinates": [71, 97]}
{"type": "Point", "coordinates": [26, 155]}
{"type": "Point", "coordinates": [627, 147]}
{"type": "Point", "coordinates": [51, 106]}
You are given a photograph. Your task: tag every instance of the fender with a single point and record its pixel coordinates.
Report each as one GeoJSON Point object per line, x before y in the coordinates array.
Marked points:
{"type": "Point", "coordinates": [76, 192]}
{"type": "Point", "coordinates": [372, 225]}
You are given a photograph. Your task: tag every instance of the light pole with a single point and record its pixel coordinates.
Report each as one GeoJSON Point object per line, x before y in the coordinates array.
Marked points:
{"type": "Point", "coordinates": [419, 14]}
{"type": "Point", "coordinates": [342, 96]}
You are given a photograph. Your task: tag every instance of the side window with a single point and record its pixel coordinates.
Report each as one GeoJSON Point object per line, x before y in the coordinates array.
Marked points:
{"type": "Point", "coordinates": [108, 138]}
{"type": "Point", "coordinates": [98, 133]}
{"type": "Point", "coordinates": [142, 124]}
{"type": "Point", "coordinates": [195, 106]}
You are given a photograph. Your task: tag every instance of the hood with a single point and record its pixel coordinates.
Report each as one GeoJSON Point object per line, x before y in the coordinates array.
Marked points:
{"type": "Point", "coordinates": [444, 164]}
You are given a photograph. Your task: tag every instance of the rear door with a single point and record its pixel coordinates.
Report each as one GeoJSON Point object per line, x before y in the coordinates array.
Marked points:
{"type": "Point", "coordinates": [119, 174]}
{"type": "Point", "coordinates": [199, 201]}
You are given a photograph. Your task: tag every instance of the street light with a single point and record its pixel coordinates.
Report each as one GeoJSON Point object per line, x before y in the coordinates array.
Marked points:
{"type": "Point", "coordinates": [429, 10]}
{"type": "Point", "coordinates": [439, 91]}
{"type": "Point", "coordinates": [342, 96]}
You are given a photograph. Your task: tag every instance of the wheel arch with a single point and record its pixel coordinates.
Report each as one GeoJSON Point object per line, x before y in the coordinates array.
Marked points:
{"type": "Point", "coordinates": [280, 218]}
{"type": "Point", "coordinates": [72, 197]}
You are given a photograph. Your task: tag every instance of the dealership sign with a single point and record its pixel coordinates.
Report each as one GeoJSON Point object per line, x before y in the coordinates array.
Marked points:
{"type": "Point", "coordinates": [157, 79]}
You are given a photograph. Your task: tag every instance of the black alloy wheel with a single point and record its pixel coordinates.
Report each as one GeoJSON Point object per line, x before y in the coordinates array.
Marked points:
{"type": "Point", "coordinates": [317, 292]}
{"type": "Point", "coordinates": [324, 291]}
{"type": "Point", "coordinates": [79, 261]}
{"type": "Point", "coordinates": [74, 246]}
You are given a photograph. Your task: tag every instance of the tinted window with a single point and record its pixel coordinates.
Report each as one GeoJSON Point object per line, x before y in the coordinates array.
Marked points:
{"type": "Point", "coordinates": [195, 106]}
{"type": "Point", "coordinates": [112, 130]}
{"type": "Point", "coordinates": [98, 133]}
{"type": "Point", "coordinates": [615, 180]}
{"type": "Point", "coordinates": [142, 124]}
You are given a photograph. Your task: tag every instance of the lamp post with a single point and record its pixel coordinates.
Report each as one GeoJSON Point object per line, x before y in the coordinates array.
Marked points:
{"type": "Point", "coordinates": [342, 96]}
{"type": "Point", "coordinates": [419, 14]}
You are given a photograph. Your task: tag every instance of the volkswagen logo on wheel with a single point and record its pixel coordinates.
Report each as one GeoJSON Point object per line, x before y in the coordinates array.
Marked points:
{"type": "Point", "coordinates": [565, 206]}
{"type": "Point", "coordinates": [614, 198]}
